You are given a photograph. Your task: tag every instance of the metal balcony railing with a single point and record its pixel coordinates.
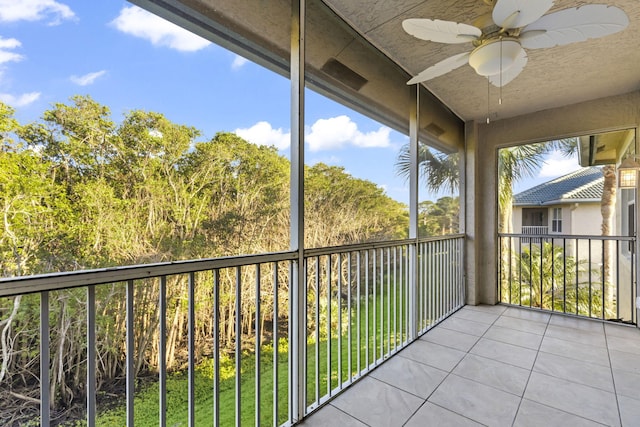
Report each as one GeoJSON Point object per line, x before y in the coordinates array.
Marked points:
{"type": "Point", "coordinates": [587, 276]}
{"type": "Point", "coordinates": [272, 361]}
{"type": "Point", "coordinates": [534, 229]}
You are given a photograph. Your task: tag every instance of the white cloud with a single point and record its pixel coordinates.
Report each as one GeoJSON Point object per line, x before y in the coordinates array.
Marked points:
{"type": "Point", "coordinates": [88, 78]}
{"type": "Point", "coordinates": [337, 132]}
{"type": "Point", "coordinates": [140, 23]}
{"type": "Point", "coordinates": [34, 10]}
{"type": "Point", "coordinates": [556, 164]}
{"type": "Point", "coordinates": [5, 54]}
{"type": "Point", "coordinates": [238, 62]}
{"type": "Point", "coordinates": [21, 100]}
{"type": "Point", "coordinates": [263, 134]}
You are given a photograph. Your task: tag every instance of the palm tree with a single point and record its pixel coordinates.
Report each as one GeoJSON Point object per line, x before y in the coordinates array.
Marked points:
{"type": "Point", "coordinates": [440, 171]}
{"type": "Point", "coordinates": [607, 208]}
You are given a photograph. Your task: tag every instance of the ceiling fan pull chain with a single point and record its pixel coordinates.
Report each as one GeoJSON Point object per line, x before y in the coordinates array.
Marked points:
{"type": "Point", "coordinates": [488, 99]}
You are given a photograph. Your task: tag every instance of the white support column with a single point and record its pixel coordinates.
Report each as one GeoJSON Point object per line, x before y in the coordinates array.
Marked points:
{"type": "Point", "coordinates": [414, 125]}
{"type": "Point", "coordinates": [298, 294]}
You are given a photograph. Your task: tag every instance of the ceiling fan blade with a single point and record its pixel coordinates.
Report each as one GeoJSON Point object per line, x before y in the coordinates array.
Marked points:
{"type": "Point", "coordinates": [519, 13]}
{"type": "Point", "coordinates": [441, 31]}
{"type": "Point", "coordinates": [442, 67]}
{"type": "Point", "coordinates": [512, 72]}
{"type": "Point", "coordinates": [574, 25]}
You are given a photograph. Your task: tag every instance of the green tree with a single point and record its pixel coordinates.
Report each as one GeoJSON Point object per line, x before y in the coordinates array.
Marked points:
{"type": "Point", "coordinates": [341, 209]}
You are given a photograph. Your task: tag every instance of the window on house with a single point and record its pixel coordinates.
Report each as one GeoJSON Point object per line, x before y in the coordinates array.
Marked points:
{"type": "Point", "coordinates": [556, 222]}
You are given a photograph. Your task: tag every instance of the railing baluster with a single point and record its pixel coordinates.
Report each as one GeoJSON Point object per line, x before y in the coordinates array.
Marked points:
{"type": "Point", "coordinates": [339, 297]}
{"type": "Point", "coordinates": [45, 358]}
{"type": "Point", "coordinates": [577, 277]}
{"type": "Point", "coordinates": [238, 349]}
{"type": "Point", "coordinates": [381, 263]}
{"type": "Point", "coordinates": [258, 343]}
{"type": "Point", "coordinates": [374, 275]}
{"type": "Point", "coordinates": [618, 279]}
{"type": "Point", "coordinates": [329, 325]}
{"type": "Point", "coordinates": [395, 298]}
{"type": "Point", "coordinates": [358, 333]}
{"type": "Point", "coordinates": [276, 339]}
{"type": "Point", "coordinates": [350, 317]}
{"type": "Point", "coordinates": [590, 279]}
{"type": "Point", "coordinates": [564, 273]}
{"type": "Point", "coordinates": [130, 354]}
{"type": "Point", "coordinates": [553, 276]}
{"type": "Point", "coordinates": [317, 330]}
{"type": "Point", "coordinates": [91, 356]}
{"type": "Point", "coordinates": [366, 306]}
{"type": "Point", "coordinates": [162, 352]}
{"type": "Point", "coordinates": [216, 347]}
{"type": "Point", "coordinates": [541, 272]}
{"type": "Point", "coordinates": [192, 349]}
{"type": "Point", "coordinates": [388, 300]}
{"type": "Point", "coordinates": [604, 290]}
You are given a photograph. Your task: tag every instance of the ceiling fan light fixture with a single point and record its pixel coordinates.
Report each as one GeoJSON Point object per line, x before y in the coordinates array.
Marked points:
{"type": "Point", "coordinates": [495, 56]}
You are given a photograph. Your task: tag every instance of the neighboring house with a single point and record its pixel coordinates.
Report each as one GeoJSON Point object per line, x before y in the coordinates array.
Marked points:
{"type": "Point", "coordinates": [571, 206]}
{"type": "Point", "coordinates": [568, 205]}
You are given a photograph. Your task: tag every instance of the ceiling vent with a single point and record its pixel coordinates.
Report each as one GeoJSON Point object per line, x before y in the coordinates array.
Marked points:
{"type": "Point", "coordinates": [344, 74]}
{"type": "Point", "coordinates": [434, 129]}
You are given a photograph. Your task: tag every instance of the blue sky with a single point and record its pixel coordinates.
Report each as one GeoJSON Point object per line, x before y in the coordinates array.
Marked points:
{"type": "Point", "coordinates": [128, 59]}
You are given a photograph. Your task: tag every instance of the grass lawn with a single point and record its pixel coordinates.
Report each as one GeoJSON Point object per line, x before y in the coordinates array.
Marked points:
{"type": "Point", "coordinates": [373, 328]}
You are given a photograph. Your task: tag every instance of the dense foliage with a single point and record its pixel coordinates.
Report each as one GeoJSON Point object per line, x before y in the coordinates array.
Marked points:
{"type": "Point", "coordinates": [79, 190]}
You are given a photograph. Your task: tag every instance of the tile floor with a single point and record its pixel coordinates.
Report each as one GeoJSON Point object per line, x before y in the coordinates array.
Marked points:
{"type": "Point", "coordinates": [501, 366]}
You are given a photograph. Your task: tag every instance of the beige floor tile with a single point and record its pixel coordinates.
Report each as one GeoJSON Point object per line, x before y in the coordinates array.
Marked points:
{"type": "Point", "coordinates": [621, 360]}
{"type": "Point", "coordinates": [521, 325]}
{"type": "Point", "coordinates": [622, 331]}
{"type": "Point", "coordinates": [587, 402]}
{"type": "Point", "coordinates": [596, 339]}
{"type": "Point", "coordinates": [330, 416]}
{"type": "Point", "coordinates": [629, 345]}
{"type": "Point", "coordinates": [578, 371]}
{"type": "Point", "coordinates": [479, 402]}
{"type": "Point", "coordinates": [627, 383]}
{"type": "Point", "coordinates": [430, 415]}
{"type": "Point", "coordinates": [476, 315]}
{"type": "Point", "coordinates": [520, 313]}
{"type": "Point", "coordinates": [515, 337]}
{"type": "Point", "coordinates": [573, 350]}
{"type": "Point", "coordinates": [432, 354]}
{"type": "Point", "coordinates": [465, 326]}
{"type": "Point", "coordinates": [532, 414]}
{"type": "Point", "coordinates": [377, 404]}
{"type": "Point", "coordinates": [629, 411]}
{"type": "Point", "coordinates": [496, 309]}
{"type": "Point", "coordinates": [576, 323]}
{"type": "Point", "coordinates": [411, 376]}
{"type": "Point", "coordinates": [492, 373]}
{"type": "Point", "coordinates": [505, 353]}
{"type": "Point", "coordinates": [450, 338]}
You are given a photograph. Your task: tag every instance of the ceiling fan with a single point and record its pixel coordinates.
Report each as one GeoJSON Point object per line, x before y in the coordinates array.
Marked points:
{"type": "Point", "coordinates": [514, 25]}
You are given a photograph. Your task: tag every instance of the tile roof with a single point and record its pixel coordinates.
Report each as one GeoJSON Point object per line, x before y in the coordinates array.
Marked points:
{"type": "Point", "coordinates": [585, 184]}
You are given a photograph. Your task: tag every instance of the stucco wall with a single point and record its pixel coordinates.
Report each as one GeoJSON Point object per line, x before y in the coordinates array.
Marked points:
{"type": "Point", "coordinates": [483, 141]}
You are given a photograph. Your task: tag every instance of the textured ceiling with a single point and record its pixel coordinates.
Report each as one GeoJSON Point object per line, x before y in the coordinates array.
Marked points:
{"type": "Point", "coordinates": [553, 77]}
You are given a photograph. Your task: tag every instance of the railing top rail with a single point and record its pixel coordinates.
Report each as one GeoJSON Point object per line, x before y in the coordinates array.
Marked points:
{"type": "Point", "coordinates": [569, 236]}
{"type": "Point", "coordinates": [312, 252]}
{"type": "Point", "coordinates": [72, 279]}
